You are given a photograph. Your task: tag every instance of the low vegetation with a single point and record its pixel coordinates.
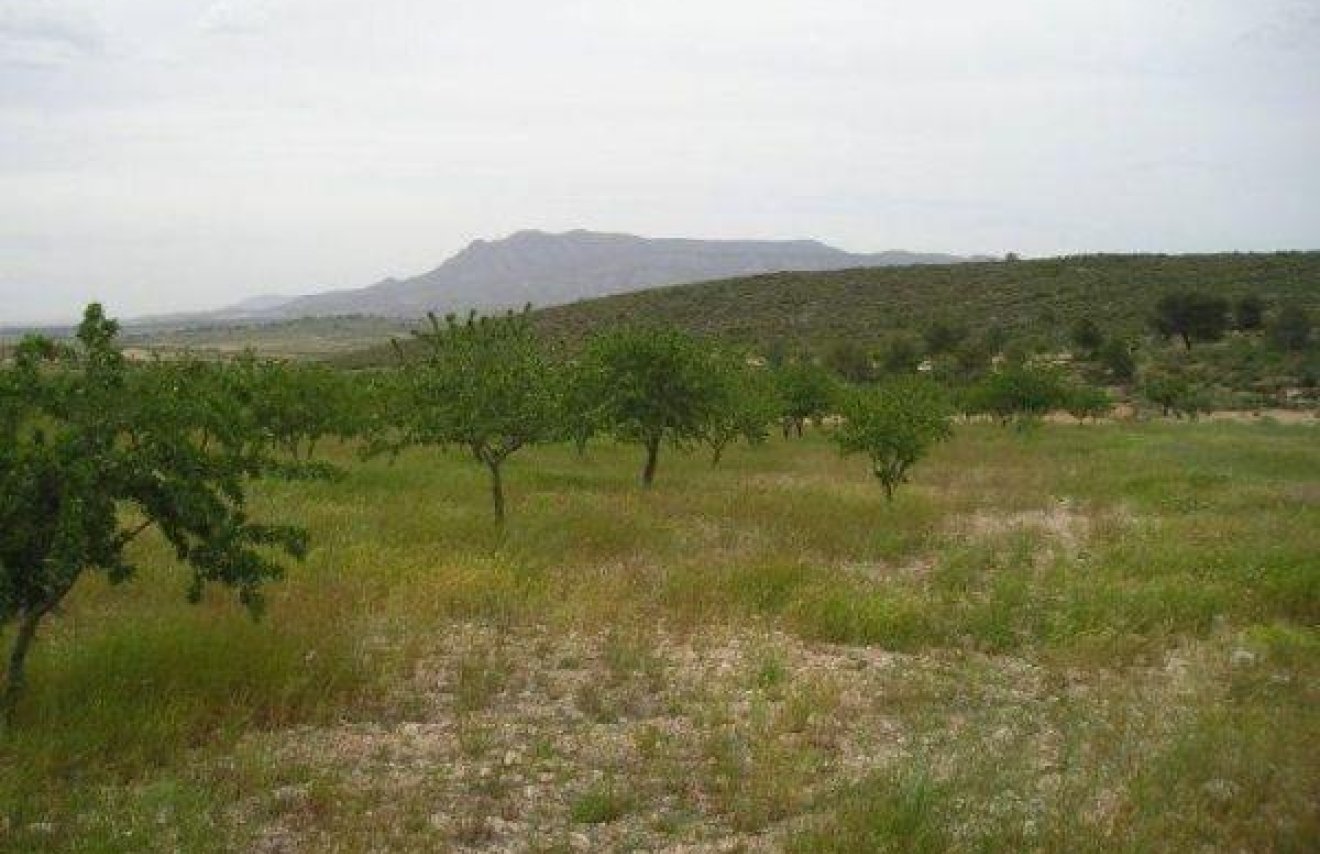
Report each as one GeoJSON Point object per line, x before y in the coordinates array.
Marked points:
{"type": "Point", "coordinates": [1119, 293]}
{"type": "Point", "coordinates": [1097, 636]}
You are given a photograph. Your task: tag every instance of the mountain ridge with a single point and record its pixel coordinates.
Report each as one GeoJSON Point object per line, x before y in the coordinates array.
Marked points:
{"type": "Point", "coordinates": [547, 268]}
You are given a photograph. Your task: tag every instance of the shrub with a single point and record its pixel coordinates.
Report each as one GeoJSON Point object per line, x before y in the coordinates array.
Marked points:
{"type": "Point", "coordinates": [894, 424]}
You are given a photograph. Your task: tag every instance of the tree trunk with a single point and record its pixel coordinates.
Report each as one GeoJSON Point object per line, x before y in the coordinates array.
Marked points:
{"type": "Point", "coordinates": [16, 674]}
{"type": "Point", "coordinates": [496, 489]}
{"type": "Point", "coordinates": [652, 454]}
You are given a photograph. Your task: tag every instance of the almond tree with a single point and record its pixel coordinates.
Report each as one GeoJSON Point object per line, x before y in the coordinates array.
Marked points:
{"type": "Point", "coordinates": [894, 424]}
{"type": "Point", "coordinates": [806, 391]}
{"type": "Point", "coordinates": [748, 402]}
{"type": "Point", "coordinates": [93, 453]}
{"type": "Point", "coordinates": [483, 384]}
{"type": "Point", "coordinates": [652, 384]}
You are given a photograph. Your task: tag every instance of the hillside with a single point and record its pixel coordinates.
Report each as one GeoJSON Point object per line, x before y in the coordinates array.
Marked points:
{"type": "Point", "coordinates": [1040, 298]}
{"type": "Point", "coordinates": [547, 269]}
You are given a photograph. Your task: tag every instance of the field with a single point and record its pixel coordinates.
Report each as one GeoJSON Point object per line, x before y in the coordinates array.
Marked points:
{"type": "Point", "coordinates": [1063, 639]}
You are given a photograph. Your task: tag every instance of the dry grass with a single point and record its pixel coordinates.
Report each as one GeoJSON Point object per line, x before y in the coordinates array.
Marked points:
{"type": "Point", "coordinates": [1083, 638]}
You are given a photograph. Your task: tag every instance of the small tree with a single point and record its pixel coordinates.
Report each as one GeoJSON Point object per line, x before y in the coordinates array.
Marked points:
{"type": "Point", "coordinates": [1087, 401]}
{"type": "Point", "coordinates": [901, 355]}
{"type": "Point", "coordinates": [776, 352]}
{"type": "Point", "coordinates": [1191, 316]}
{"type": "Point", "coordinates": [299, 404]}
{"type": "Point", "coordinates": [1115, 356]}
{"type": "Point", "coordinates": [1021, 392]}
{"type": "Point", "coordinates": [971, 359]}
{"type": "Point", "coordinates": [894, 424]}
{"type": "Point", "coordinates": [483, 384]}
{"type": "Point", "coordinates": [581, 415]}
{"type": "Point", "coordinates": [942, 337]}
{"type": "Point", "coordinates": [1086, 336]}
{"type": "Point", "coordinates": [1175, 395]}
{"type": "Point", "coordinates": [806, 391]}
{"type": "Point", "coordinates": [1249, 313]}
{"type": "Point", "coordinates": [748, 403]}
{"type": "Point", "coordinates": [652, 384]}
{"type": "Point", "coordinates": [850, 361]}
{"type": "Point", "coordinates": [1291, 330]}
{"type": "Point", "coordinates": [93, 453]}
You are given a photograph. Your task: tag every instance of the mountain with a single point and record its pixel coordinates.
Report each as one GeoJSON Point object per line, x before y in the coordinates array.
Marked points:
{"type": "Point", "coordinates": [552, 269]}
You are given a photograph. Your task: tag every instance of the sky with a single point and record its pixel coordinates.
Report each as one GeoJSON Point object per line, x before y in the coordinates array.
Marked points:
{"type": "Point", "coordinates": [163, 155]}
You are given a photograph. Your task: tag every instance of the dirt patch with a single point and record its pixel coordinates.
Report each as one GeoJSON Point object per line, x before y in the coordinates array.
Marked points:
{"type": "Point", "coordinates": [602, 741]}
{"type": "Point", "coordinates": [535, 739]}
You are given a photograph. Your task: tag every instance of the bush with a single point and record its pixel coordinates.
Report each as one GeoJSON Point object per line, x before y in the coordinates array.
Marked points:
{"type": "Point", "coordinates": [1021, 391]}
{"type": "Point", "coordinates": [894, 425]}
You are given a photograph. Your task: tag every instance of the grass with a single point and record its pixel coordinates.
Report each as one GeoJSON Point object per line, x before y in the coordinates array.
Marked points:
{"type": "Point", "coordinates": [1084, 638]}
{"type": "Point", "coordinates": [602, 803]}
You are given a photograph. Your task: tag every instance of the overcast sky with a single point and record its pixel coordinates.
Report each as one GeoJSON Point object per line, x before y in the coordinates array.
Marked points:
{"type": "Point", "coordinates": [166, 154]}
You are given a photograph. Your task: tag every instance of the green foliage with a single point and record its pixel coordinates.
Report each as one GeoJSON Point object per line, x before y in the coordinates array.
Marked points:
{"type": "Point", "coordinates": [941, 336]}
{"type": "Point", "coordinates": [806, 390]}
{"type": "Point", "coordinates": [1018, 392]}
{"type": "Point", "coordinates": [971, 359]}
{"type": "Point", "coordinates": [1191, 316]}
{"type": "Point", "coordinates": [883, 813]}
{"type": "Point", "coordinates": [1174, 393]}
{"type": "Point", "coordinates": [1087, 401]}
{"type": "Point", "coordinates": [1291, 330]}
{"type": "Point", "coordinates": [604, 802]}
{"type": "Point", "coordinates": [293, 404]}
{"type": "Point", "coordinates": [582, 417]}
{"type": "Point", "coordinates": [894, 424]}
{"type": "Point", "coordinates": [1086, 335]}
{"type": "Point", "coordinates": [748, 403]}
{"type": "Point", "coordinates": [1028, 307]}
{"type": "Point", "coordinates": [92, 453]}
{"type": "Point", "coordinates": [902, 355]}
{"type": "Point", "coordinates": [850, 361]}
{"type": "Point", "coordinates": [1249, 313]}
{"type": "Point", "coordinates": [781, 313]}
{"type": "Point", "coordinates": [1115, 356]}
{"type": "Point", "coordinates": [483, 384]}
{"type": "Point", "coordinates": [652, 384]}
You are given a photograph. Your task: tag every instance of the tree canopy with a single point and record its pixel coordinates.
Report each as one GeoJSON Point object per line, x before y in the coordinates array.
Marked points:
{"type": "Point", "coordinates": [93, 452]}
{"type": "Point", "coordinates": [1191, 316]}
{"type": "Point", "coordinates": [894, 424]}
{"type": "Point", "coordinates": [652, 384]}
{"type": "Point", "coordinates": [483, 384]}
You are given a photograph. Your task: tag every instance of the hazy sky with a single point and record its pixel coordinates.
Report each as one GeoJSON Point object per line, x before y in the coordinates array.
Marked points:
{"type": "Point", "coordinates": [166, 154]}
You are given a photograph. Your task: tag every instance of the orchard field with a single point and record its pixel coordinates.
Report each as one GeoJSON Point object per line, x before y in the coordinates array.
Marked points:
{"type": "Point", "coordinates": [1062, 638]}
